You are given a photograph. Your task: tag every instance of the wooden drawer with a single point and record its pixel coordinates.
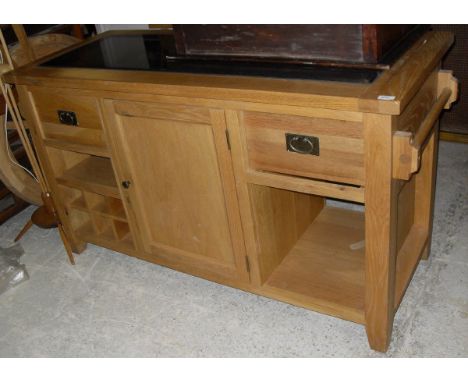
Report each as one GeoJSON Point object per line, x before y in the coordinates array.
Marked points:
{"type": "Point", "coordinates": [340, 156]}
{"type": "Point", "coordinates": [88, 129]}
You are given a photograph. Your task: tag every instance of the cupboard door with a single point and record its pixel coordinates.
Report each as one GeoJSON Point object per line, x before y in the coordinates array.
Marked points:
{"type": "Point", "coordinates": [176, 178]}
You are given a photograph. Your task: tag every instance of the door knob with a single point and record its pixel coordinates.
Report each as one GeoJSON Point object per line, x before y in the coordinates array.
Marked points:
{"type": "Point", "coordinates": [126, 184]}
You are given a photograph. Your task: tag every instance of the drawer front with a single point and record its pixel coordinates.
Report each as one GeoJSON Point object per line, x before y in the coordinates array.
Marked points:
{"type": "Point", "coordinates": [316, 148]}
{"type": "Point", "coordinates": [68, 117]}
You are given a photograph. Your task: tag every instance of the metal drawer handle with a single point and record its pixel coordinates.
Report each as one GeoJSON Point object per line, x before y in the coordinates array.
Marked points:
{"type": "Point", "coordinates": [302, 144]}
{"type": "Point", "coordinates": [67, 117]}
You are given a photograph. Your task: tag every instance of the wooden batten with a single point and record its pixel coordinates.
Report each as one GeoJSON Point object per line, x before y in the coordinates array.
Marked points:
{"type": "Point", "coordinates": [419, 120]}
{"type": "Point", "coordinates": [446, 80]}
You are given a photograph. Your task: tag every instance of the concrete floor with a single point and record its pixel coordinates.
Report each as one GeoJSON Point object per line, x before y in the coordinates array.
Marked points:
{"type": "Point", "coordinates": [112, 305]}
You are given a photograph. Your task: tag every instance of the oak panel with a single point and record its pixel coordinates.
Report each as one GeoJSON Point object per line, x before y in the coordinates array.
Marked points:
{"type": "Point", "coordinates": [174, 171]}
{"type": "Point", "coordinates": [341, 156]}
{"type": "Point", "coordinates": [280, 218]}
{"type": "Point", "coordinates": [405, 212]}
{"type": "Point", "coordinates": [177, 172]}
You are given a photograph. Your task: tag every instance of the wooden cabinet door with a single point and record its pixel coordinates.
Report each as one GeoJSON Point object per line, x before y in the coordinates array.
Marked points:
{"type": "Point", "coordinates": [175, 174]}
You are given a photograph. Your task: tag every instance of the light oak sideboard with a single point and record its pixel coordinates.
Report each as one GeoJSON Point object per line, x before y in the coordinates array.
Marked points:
{"type": "Point", "coordinates": [228, 177]}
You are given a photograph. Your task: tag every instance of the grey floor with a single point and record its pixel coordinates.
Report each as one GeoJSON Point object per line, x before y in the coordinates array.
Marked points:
{"type": "Point", "coordinates": [111, 305]}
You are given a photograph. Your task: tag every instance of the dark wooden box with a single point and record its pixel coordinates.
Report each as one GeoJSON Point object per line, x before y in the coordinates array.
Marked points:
{"type": "Point", "coordinates": [355, 43]}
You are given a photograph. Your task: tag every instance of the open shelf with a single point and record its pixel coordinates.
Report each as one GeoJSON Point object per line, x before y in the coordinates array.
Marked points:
{"type": "Point", "coordinates": [96, 218]}
{"type": "Point", "coordinates": [121, 229]}
{"type": "Point", "coordinates": [106, 206]}
{"type": "Point", "coordinates": [321, 270]}
{"type": "Point", "coordinates": [127, 242]}
{"type": "Point", "coordinates": [94, 174]}
{"type": "Point", "coordinates": [110, 207]}
{"type": "Point", "coordinates": [79, 203]}
{"type": "Point", "coordinates": [105, 239]}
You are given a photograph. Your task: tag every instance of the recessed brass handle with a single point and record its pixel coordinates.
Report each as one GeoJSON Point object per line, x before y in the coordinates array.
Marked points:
{"type": "Point", "coordinates": [302, 144]}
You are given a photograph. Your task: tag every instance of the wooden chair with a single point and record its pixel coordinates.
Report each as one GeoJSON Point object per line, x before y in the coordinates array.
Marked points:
{"type": "Point", "coordinates": [11, 203]}
{"type": "Point", "coordinates": [19, 182]}
{"type": "Point", "coordinates": [12, 174]}
{"type": "Point", "coordinates": [16, 183]}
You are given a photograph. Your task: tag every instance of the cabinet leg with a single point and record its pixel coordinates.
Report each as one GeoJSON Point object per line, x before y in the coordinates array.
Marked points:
{"type": "Point", "coordinates": [380, 230]}
{"type": "Point", "coordinates": [78, 247]}
{"type": "Point", "coordinates": [75, 246]}
{"type": "Point", "coordinates": [380, 276]}
{"type": "Point", "coordinates": [379, 334]}
{"type": "Point", "coordinates": [426, 252]}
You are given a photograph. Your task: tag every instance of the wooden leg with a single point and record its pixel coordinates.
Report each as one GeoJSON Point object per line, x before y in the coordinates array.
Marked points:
{"type": "Point", "coordinates": [66, 244]}
{"type": "Point", "coordinates": [24, 230]}
{"type": "Point", "coordinates": [77, 247]}
{"type": "Point", "coordinates": [380, 229]}
{"type": "Point", "coordinates": [426, 251]}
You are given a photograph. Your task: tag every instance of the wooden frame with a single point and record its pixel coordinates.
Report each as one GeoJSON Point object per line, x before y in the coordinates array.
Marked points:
{"type": "Point", "coordinates": [288, 243]}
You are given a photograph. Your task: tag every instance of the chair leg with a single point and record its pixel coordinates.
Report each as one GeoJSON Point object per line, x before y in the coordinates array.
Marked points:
{"type": "Point", "coordinates": [24, 230]}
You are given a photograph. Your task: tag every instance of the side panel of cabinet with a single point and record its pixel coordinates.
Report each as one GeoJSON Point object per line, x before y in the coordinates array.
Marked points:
{"type": "Point", "coordinates": [181, 188]}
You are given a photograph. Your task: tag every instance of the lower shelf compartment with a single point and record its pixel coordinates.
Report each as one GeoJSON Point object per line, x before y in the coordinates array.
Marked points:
{"type": "Point", "coordinates": [321, 271]}
{"type": "Point", "coordinates": [106, 239]}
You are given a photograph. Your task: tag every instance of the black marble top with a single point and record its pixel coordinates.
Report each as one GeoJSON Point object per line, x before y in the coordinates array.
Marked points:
{"type": "Point", "coordinates": [151, 52]}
